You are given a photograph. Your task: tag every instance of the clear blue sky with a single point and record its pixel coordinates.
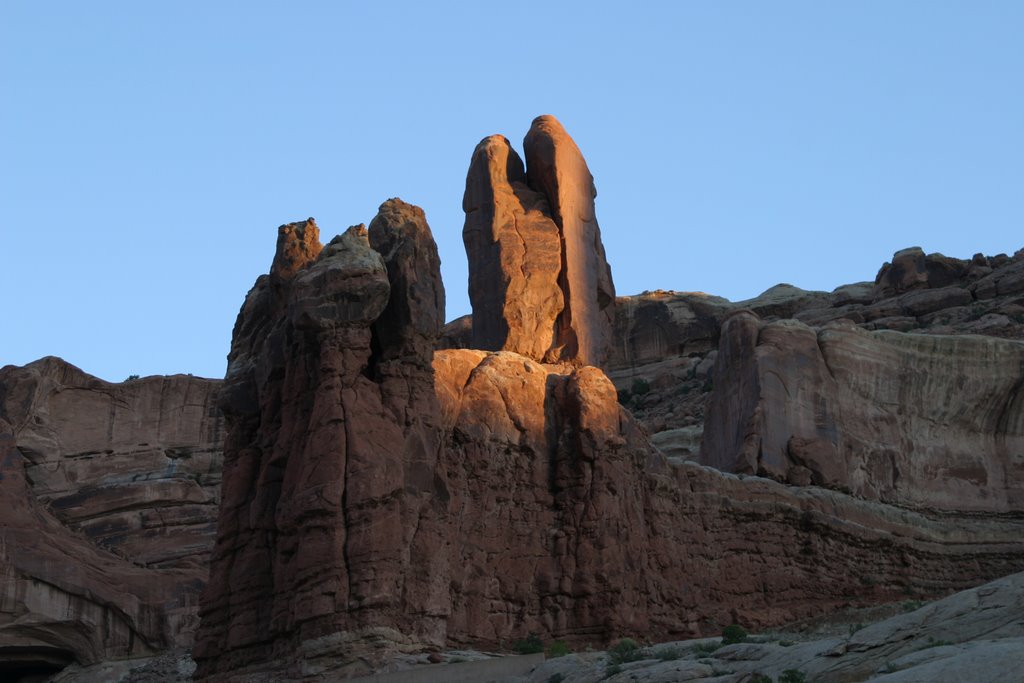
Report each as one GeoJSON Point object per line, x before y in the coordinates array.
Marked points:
{"type": "Point", "coordinates": [150, 150]}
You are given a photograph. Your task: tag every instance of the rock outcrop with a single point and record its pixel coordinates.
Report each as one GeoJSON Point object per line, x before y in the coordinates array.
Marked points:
{"type": "Point", "coordinates": [539, 280]}
{"type": "Point", "coordinates": [975, 635]}
{"type": "Point", "coordinates": [515, 255]}
{"type": "Point", "coordinates": [916, 420]}
{"type": "Point", "coordinates": [665, 343]}
{"type": "Point", "coordinates": [377, 501]}
{"type": "Point", "coordinates": [325, 525]}
{"type": "Point", "coordinates": [109, 493]}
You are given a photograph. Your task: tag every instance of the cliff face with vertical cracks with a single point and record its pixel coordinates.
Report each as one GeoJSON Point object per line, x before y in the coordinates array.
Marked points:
{"type": "Point", "coordinates": [922, 421]}
{"type": "Point", "coordinates": [539, 280]}
{"type": "Point", "coordinates": [333, 434]}
{"type": "Point", "coordinates": [380, 497]}
{"type": "Point", "coordinates": [109, 495]}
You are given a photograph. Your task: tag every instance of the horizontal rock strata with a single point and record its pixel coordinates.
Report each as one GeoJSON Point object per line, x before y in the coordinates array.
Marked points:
{"type": "Point", "coordinates": [378, 500]}
{"type": "Point", "coordinates": [110, 493]}
{"type": "Point", "coordinates": [921, 421]}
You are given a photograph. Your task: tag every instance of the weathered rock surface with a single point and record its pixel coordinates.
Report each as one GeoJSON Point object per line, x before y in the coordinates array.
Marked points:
{"type": "Point", "coordinates": [329, 460]}
{"type": "Point", "coordinates": [109, 493]}
{"type": "Point", "coordinates": [515, 255]}
{"type": "Point", "coordinates": [539, 280]}
{"type": "Point", "coordinates": [665, 340]}
{"type": "Point", "coordinates": [377, 500]}
{"type": "Point", "coordinates": [976, 635]}
{"type": "Point", "coordinates": [556, 167]}
{"type": "Point", "coordinates": [915, 420]}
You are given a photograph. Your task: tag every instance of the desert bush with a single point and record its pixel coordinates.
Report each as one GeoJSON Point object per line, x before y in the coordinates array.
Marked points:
{"type": "Point", "coordinates": [626, 650]}
{"type": "Point", "coordinates": [669, 654]}
{"type": "Point", "coordinates": [733, 634]}
{"type": "Point", "coordinates": [558, 648]}
{"type": "Point", "coordinates": [531, 644]}
{"type": "Point", "coordinates": [640, 387]}
{"type": "Point", "coordinates": [792, 676]}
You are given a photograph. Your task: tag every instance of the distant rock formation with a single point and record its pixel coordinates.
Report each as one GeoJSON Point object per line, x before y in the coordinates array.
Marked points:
{"type": "Point", "coordinates": [109, 495]}
{"type": "Point", "coordinates": [666, 343]}
{"type": "Point", "coordinates": [539, 280]}
{"type": "Point", "coordinates": [923, 421]}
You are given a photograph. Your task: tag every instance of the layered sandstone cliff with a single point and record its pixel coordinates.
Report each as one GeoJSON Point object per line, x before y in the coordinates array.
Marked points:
{"type": "Point", "coordinates": [923, 421]}
{"type": "Point", "coordinates": [109, 496]}
{"type": "Point", "coordinates": [666, 343]}
{"type": "Point", "coordinates": [379, 498]}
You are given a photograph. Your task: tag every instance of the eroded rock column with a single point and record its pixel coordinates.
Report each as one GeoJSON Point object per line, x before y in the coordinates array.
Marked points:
{"type": "Point", "coordinates": [539, 280]}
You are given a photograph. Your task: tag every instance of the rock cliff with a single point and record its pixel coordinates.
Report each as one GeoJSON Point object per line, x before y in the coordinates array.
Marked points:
{"type": "Point", "coordinates": [924, 421]}
{"type": "Point", "coordinates": [380, 498]}
{"type": "Point", "coordinates": [109, 494]}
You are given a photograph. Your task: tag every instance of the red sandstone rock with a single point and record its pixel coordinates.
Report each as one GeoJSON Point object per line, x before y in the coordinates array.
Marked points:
{"type": "Point", "coordinates": [329, 459]}
{"type": "Point", "coordinates": [916, 420]}
{"type": "Point", "coordinates": [515, 254]}
{"type": "Point", "coordinates": [365, 512]}
{"type": "Point", "coordinates": [556, 167]}
{"type": "Point", "coordinates": [109, 495]}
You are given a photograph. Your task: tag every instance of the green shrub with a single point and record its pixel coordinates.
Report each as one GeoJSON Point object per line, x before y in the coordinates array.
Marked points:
{"type": "Point", "coordinates": [626, 650]}
{"type": "Point", "coordinates": [556, 678]}
{"type": "Point", "coordinates": [131, 377]}
{"type": "Point", "coordinates": [760, 678]}
{"type": "Point", "coordinates": [669, 654]}
{"type": "Point", "coordinates": [612, 670]}
{"type": "Point", "coordinates": [530, 645]}
{"type": "Point", "coordinates": [733, 634]}
{"type": "Point", "coordinates": [558, 648]}
{"type": "Point", "coordinates": [640, 387]}
{"type": "Point", "coordinates": [703, 649]}
{"type": "Point", "coordinates": [792, 676]}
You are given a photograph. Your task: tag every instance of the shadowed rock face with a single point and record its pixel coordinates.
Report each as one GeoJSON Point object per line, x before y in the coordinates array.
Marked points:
{"type": "Point", "coordinates": [917, 420]}
{"type": "Point", "coordinates": [332, 437]}
{"type": "Point", "coordinates": [539, 281]}
{"type": "Point", "coordinates": [109, 495]}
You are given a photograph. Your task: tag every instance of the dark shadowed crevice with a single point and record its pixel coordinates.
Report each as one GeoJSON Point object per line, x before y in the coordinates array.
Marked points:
{"type": "Point", "coordinates": [32, 664]}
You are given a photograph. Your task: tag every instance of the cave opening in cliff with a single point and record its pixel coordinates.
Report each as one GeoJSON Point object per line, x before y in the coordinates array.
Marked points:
{"type": "Point", "coordinates": [32, 664]}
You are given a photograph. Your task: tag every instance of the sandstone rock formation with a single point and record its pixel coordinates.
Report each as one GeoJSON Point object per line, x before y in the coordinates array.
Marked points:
{"type": "Point", "coordinates": [666, 342]}
{"type": "Point", "coordinates": [376, 501]}
{"type": "Point", "coordinates": [332, 421]}
{"type": "Point", "coordinates": [916, 420]}
{"type": "Point", "coordinates": [109, 493]}
{"type": "Point", "coordinates": [539, 280]}
{"type": "Point", "coordinates": [515, 254]}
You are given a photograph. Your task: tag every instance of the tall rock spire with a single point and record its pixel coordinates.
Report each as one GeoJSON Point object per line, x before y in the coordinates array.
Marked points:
{"type": "Point", "coordinates": [538, 278]}
{"type": "Point", "coordinates": [555, 166]}
{"type": "Point", "coordinates": [515, 254]}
